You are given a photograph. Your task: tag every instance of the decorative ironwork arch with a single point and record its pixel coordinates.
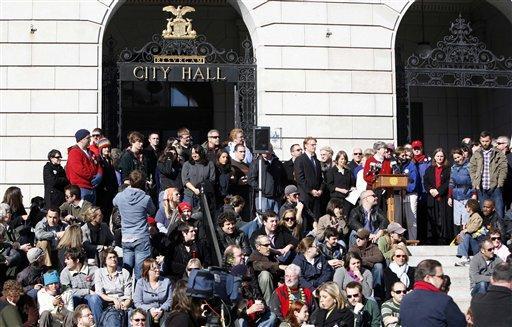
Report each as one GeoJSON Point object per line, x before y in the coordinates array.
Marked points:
{"type": "Point", "coordinates": [459, 60]}
{"type": "Point", "coordinates": [240, 67]}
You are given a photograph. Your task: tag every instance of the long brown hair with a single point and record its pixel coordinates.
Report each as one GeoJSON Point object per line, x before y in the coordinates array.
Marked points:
{"type": "Point", "coordinates": [181, 302]}
{"type": "Point", "coordinates": [13, 198]}
{"type": "Point", "coordinates": [445, 163]}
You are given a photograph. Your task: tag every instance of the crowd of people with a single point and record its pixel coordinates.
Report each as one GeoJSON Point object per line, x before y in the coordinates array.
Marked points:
{"type": "Point", "coordinates": [121, 235]}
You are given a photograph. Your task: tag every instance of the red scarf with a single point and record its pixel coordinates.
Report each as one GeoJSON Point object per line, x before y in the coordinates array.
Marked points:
{"type": "Point", "coordinates": [419, 158]}
{"type": "Point", "coordinates": [421, 285]}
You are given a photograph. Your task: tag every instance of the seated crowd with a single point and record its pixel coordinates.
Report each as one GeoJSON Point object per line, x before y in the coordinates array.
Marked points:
{"type": "Point", "coordinates": [120, 236]}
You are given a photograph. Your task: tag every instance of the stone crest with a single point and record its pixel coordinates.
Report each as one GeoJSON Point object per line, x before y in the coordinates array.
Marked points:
{"type": "Point", "coordinates": [179, 27]}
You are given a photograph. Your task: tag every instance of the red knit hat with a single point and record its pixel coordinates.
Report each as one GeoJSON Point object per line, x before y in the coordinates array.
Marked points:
{"type": "Point", "coordinates": [103, 143]}
{"type": "Point", "coordinates": [184, 206]}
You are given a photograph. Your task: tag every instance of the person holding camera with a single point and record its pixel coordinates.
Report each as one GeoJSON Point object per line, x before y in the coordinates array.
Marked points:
{"type": "Point", "coordinates": [75, 207]}
{"type": "Point", "coordinates": [169, 169]}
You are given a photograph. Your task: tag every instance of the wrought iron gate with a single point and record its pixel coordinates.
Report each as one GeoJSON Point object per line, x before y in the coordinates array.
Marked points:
{"type": "Point", "coordinates": [459, 60]}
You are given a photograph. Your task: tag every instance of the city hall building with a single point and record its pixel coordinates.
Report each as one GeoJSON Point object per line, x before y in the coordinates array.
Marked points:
{"type": "Point", "coordinates": [347, 72]}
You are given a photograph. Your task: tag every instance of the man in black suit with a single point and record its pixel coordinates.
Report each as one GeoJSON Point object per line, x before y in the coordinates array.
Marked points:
{"type": "Point", "coordinates": [308, 174]}
{"type": "Point", "coordinates": [295, 152]}
{"type": "Point", "coordinates": [493, 307]}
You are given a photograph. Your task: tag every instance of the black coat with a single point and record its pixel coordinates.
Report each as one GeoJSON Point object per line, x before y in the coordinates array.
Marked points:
{"type": "Point", "coordinates": [357, 216]}
{"type": "Point", "coordinates": [169, 172]}
{"type": "Point", "coordinates": [308, 177]}
{"type": "Point", "coordinates": [54, 178]}
{"type": "Point", "coordinates": [439, 214]}
{"type": "Point", "coordinates": [493, 307]}
{"type": "Point", "coordinates": [429, 181]}
{"type": "Point", "coordinates": [333, 179]}
{"type": "Point", "coordinates": [390, 278]}
{"type": "Point", "coordinates": [288, 168]}
{"type": "Point", "coordinates": [338, 317]}
{"type": "Point", "coordinates": [273, 178]}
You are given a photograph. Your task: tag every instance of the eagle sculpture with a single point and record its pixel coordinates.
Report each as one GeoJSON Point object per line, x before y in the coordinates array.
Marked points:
{"type": "Point", "coordinates": [178, 12]}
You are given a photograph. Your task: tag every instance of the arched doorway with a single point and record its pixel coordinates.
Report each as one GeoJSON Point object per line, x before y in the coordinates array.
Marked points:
{"type": "Point", "coordinates": [450, 83]}
{"type": "Point", "coordinates": [166, 103]}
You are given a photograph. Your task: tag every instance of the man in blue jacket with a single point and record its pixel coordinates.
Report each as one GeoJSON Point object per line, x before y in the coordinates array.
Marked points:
{"type": "Point", "coordinates": [426, 305]}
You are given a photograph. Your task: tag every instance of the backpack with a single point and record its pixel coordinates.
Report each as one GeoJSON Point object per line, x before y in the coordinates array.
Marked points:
{"type": "Point", "coordinates": [213, 282]}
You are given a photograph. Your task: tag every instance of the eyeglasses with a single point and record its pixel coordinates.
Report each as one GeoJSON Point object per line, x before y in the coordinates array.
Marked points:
{"type": "Point", "coordinates": [400, 291]}
{"type": "Point", "coordinates": [58, 157]}
{"type": "Point", "coordinates": [494, 238]}
{"type": "Point", "coordinates": [349, 296]}
{"type": "Point", "coordinates": [358, 154]}
{"type": "Point", "coordinates": [370, 196]}
{"type": "Point", "coordinates": [214, 137]}
{"type": "Point", "coordinates": [265, 245]}
{"type": "Point", "coordinates": [139, 319]}
{"type": "Point", "coordinates": [289, 218]}
{"type": "Point", "coordinates": [490, 249]}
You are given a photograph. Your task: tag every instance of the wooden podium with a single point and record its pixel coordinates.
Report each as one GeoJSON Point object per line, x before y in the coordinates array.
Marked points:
{"type": "Point", "coordinates": [391, 183]}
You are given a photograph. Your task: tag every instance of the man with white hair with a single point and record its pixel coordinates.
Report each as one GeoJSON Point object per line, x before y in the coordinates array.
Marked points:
{"type": "Point", "coordinates": [376, 165]}
{"type": "Point", "coordinates": [503, 144]}
{"type": "Point", "coordinates": [290, 292]}
{"type": "Point", "coordinates": [326, 162]}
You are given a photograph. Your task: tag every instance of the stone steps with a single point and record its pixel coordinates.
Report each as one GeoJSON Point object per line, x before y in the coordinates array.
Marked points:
{"type": "Point", "coordinates": [459, 276]}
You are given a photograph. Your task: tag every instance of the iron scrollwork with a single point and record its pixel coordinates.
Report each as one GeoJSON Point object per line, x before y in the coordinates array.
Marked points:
{"type": "Point", "coordinates": [460, 60]}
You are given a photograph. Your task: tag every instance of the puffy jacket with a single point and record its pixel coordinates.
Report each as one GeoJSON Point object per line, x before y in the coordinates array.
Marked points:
{"type": "Point", "coordinates": [421, 167]}
{"type": "Point", "coordinates": [460, 182]}
{"type": "Point", "coordinates": [410, 169]}
{"type": "Point", "coordinates": [497, 168]}
{"type": "Point", "coordinates": [81, 169]}
{"type": "Point", "coordinates": [313, 275]}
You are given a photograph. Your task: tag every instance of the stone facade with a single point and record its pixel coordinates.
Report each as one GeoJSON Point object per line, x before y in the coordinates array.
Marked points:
{"type": "Point", "coordinates": [325, 68]}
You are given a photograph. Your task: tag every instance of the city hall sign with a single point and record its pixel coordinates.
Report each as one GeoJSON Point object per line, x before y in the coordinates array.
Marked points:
{"type": "Point", "coordinates": [183, 66]}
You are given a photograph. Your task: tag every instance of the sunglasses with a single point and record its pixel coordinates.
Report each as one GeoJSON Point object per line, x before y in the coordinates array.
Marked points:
{"type": "Point", "coordinates": [289, 219]}
{"type": "Point", "coordinates": [265, 245]}
{"type": "Point", "coordinates": [400, 291]}
{"type": "Point", "coordinates": [358, 154]}
{"type": "Point", "coordinates": [495, 238]}
{"type": "Point", "coordinates": [95, 135]}
{"type": "Point", "coordinates": [214, 137]}
{"type": "Point", "coordinates": [139, 319]}
{"type": "Point", "coordinates": [58, 157]}
{"type": "Point", "coordinates": [490, 249]}
{"type": "Point", "coordinates": [400, 256]}
{"type": "Point", "coordinates": [349, 296]}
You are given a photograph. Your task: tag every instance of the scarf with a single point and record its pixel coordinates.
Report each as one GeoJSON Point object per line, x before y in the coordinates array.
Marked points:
{"type": "Point", "coordinates": [401, 272]}
{"type": "Point", "coordinates": [421, 285]}
{"type": "Point", "coordinates": [419, 158]}
{"type": "Point", "coordinates": [353, 276]}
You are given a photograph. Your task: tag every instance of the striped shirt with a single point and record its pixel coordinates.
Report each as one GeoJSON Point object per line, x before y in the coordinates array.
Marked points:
{"type": "Point", "coordinates": [390, 309]}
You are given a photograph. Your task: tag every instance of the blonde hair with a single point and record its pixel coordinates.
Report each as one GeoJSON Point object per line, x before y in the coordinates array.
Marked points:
{"type": "Point", "coordinates": [333, 290]}
{"type": "Point", "coordinates": [89, 214]}
{"type": "Point", "coordinates": [233, 132]}
{"type": "Point", "coordinates": [72, 237]}
{"type": "Point", "coordinates": [297, 230]}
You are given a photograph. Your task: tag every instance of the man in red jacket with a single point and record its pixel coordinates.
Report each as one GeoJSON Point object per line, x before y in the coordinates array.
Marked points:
{"type": "Point", "coordinates": [376, 165]}
{"type": "Point", "coordinates": [82, 168]}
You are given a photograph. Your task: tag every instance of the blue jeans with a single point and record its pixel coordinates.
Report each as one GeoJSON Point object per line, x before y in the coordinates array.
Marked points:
{"type": "Point", "coordinates": [494, 194]}
{"type": "Point", "coordinates": [88, 194]}
{"type": "Point", "coordinates": [250, 227]}
{"type": "Point", "coordinates": [467, 246]}
{"type": "Point", "coordinates": [266, 204]}
{"type": "Point", "coordinates": [94, 302]}
{"type": "Point", "coordinates": [134, 255]}
{"type": "Point", "coordinates": [112, 317]}
{"type": "Point", "coordinates": [193, 200]}
{"type": "Point", "coordinates": [378, 280]}
{"type": "Point", "coordinates": [480, 288]}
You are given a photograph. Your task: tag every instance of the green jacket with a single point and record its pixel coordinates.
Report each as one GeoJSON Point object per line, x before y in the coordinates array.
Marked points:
{"type": "Point", "coordinates": [9, 315]}
{"type": "Point", "coordinates": [497, 168]}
